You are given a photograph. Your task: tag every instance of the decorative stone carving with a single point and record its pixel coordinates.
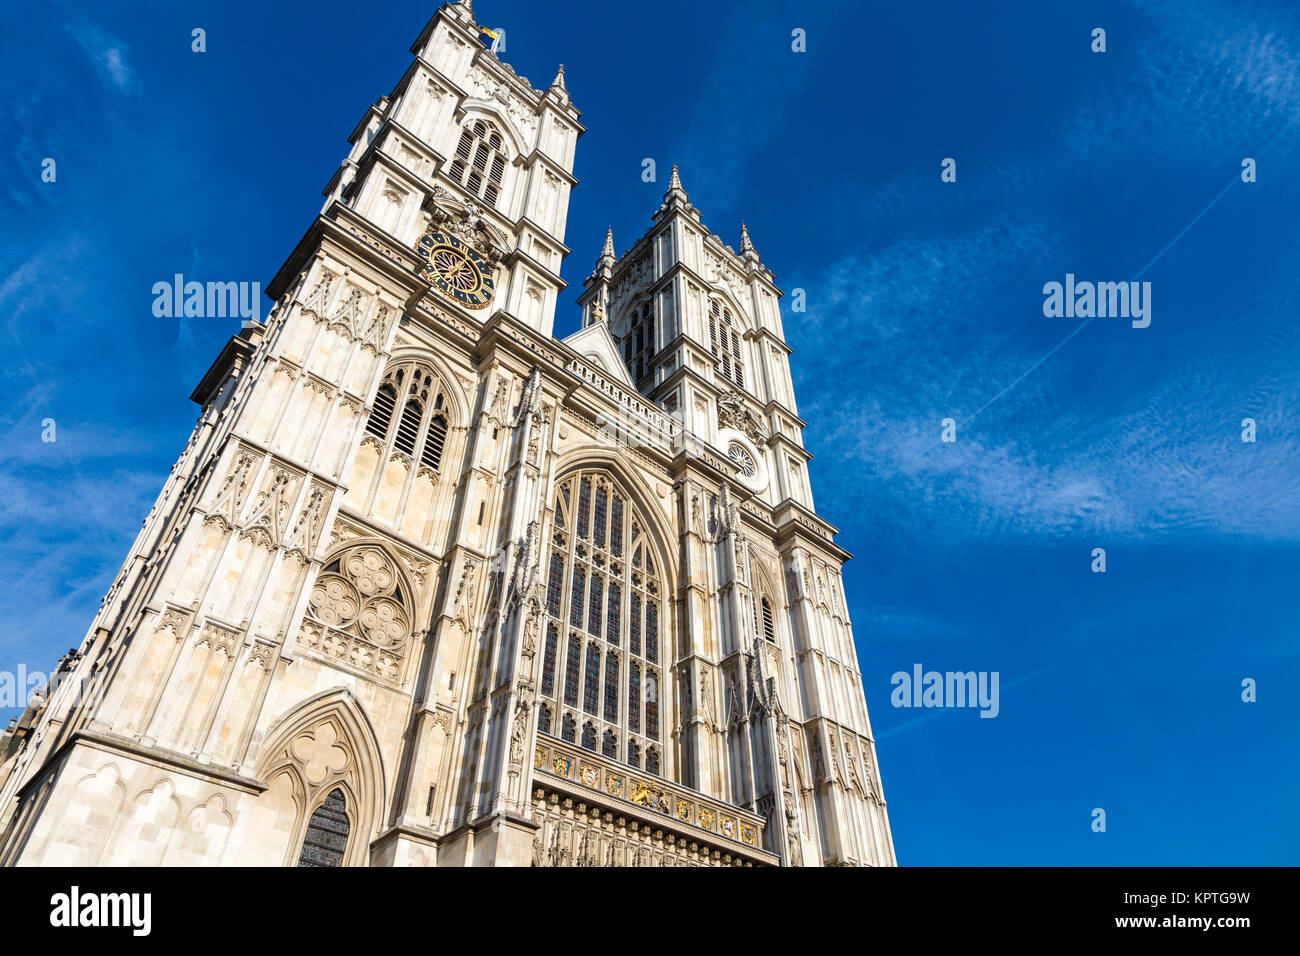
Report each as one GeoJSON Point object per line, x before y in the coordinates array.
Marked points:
{"type": "Point", "coordinates": [230, 498]}
{"type": "Point", "coordinates": [706, 702]}
{"type": "Point", "coordinates": [359, 613]}
{"type": "Point", "coordinates": [317, 301]}
{"type": "Point", "coordinates": [220, 639]}
{"type": "Point", "coordinates": [174, 620]}
{"type": "Point", "coordinates": [520, 115]}
{"type": "Point", "coordinates": [464, 219]}
{"type": "Point", "coordinates": [267, 522]}
{"type": "Point", "coordinates": [734, 412]}
{"type": "Point", "coordinates": [306, 530]}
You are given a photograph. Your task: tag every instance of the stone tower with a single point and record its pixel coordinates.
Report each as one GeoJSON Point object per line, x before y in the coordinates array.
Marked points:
{"type": "Point", "coordinates": [429, 586]}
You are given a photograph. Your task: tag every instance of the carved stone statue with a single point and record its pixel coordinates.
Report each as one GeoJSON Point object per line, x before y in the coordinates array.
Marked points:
{"type": "Point", "coordinates": [518, 732]}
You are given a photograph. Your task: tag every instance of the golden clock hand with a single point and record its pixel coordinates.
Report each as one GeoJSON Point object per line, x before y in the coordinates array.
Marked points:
{"type": "Point", "coordinates": [455, 272]}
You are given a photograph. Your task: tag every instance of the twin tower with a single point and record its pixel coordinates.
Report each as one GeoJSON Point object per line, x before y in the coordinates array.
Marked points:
{"type": "Point", "coordinates": [429, 586]}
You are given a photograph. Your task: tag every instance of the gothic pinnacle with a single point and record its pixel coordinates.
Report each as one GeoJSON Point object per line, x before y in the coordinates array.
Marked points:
{"type": "Point", "coordinates": [609, 244]}
{"type": "Point", "coordinates": [676, 194]}
{"type": "Point", "coordinates": [559, 79]}
{"type": "Point", "coordinates": [745, 244]}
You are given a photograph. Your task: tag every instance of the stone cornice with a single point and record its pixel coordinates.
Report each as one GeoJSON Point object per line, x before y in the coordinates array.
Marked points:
{"type": "Point", "coordinates": [236, 352]}
{"type": "Point", "coordinates": [797, 525]}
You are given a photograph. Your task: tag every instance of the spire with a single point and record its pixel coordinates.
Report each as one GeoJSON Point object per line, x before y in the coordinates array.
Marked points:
{"type": "Point", "coordinates": [557, 88]}
{"type": "Point", "coordinates": [747, 250]}
{"type": "Point", "coordinates": [598, 282]}
{"type": "Point", "coordinates": [675, 181]}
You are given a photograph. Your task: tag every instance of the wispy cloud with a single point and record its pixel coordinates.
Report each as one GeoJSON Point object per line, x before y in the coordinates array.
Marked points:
{"type": "Point", "coordinates": [925, 329]}
{"type": "Point", "coordinates": [1159, 454]}
{"type": "Point", "coordinates": [1210, 76]}
{"type": "Point", "coordinates": [110, 56]}
{"type": "Point", "coordinates": [892, 622]}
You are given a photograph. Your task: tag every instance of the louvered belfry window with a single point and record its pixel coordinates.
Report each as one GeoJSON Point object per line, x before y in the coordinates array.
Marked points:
{"type": "Point", "coordinates": [639, 347]}
{"type": "Point", "coordinates": [605, 609]}
{"type": "Point", "coordinates": [410, 415]}
{"type": "Point", "coordinates": [724, 343]}
{"type": "Point", "coordinates": [480, 161]}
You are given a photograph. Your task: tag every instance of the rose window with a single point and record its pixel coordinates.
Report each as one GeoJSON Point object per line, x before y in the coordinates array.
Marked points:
{"type": "Point", "coordinates": [741, 456]}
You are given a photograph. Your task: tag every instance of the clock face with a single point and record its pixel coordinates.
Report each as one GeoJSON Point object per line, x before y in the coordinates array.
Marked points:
{"type": "Point", "coordinates": [455, 270]}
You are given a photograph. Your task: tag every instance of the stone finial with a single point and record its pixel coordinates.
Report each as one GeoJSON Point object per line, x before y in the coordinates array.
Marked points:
{"type": "Point", "coordinates": [609, 244]}
{"type": "Point", "coordinates": [676, 195]}
{"type": "Point", "coordinates": [558, 82]}
{"type": "Point", "coordinates": [745, 244]}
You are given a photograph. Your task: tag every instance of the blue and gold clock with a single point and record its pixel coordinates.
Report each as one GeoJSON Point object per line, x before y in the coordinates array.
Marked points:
{"type": "Point", "coordinates": [455, 270]}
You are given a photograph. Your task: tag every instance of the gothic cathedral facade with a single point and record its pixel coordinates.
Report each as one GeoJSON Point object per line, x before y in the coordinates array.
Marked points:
{"type": "Point", "coordinates": [429, 586]}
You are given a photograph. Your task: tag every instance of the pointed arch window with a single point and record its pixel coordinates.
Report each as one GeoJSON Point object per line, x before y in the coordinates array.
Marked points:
{"type": "Point", "coordinates": [634, 697]}
{"type": "Point", "coordinates": [724, 343]}
{"type": "Point", "coordinates": [605, 592]}
{"type": "Point", "coordinates": [571, 672]}
{"type": "Point", "coordinates": [410, 414]}
{"type": "Point", "coordinates": [639, 347]}
{"type": "Point", "coordinates": [327, 832]}
{"type": "Point", "coordinates": [611, 688]}
{"type": "Point", "coordinates": [382, 415]}
{"type": "Point", "coordinates": [549, 659]}
{"type": "Point", "coordinates": [480, 161]}
{"type": "Point", "coordinates": [591, 686]}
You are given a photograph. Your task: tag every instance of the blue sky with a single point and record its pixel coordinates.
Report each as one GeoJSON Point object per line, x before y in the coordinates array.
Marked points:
{"type": "Point", "coordinates": [1118, 690]}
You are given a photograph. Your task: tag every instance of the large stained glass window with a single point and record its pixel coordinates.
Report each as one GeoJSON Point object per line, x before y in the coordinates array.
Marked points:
{"type": "Point", "coordinates": [604, 601]}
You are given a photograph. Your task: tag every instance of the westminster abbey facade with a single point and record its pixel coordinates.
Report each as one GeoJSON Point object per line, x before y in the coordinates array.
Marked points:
{"type": "Point", "coordinates": [429, 586]}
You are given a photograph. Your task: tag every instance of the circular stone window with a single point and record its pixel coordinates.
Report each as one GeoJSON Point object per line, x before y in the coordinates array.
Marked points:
{"type": "Point", "coordinates": [741, 456]}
